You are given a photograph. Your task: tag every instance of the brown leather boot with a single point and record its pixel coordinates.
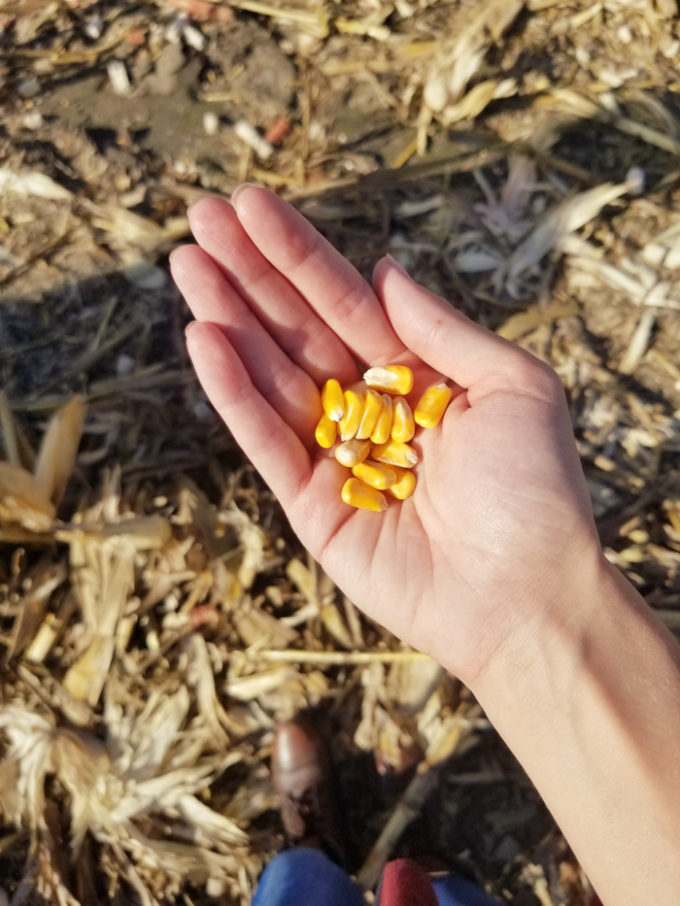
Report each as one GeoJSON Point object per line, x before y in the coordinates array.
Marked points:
{"type": "Point", "coordinates": [303, 778]}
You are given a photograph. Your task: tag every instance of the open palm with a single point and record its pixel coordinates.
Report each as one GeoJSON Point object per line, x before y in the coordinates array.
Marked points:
{"type": "Point", "coordinates": [453, 569]}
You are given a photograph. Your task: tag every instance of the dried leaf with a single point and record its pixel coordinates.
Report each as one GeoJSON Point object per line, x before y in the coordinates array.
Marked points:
{"type": "Point", "coordinates": [639, 342]}
{"type": "Point", "coordinates": [46, 578]}
{"type": "Point", "coordinates": [477, 99]}
{"type": "Point", "coordinates": [410, 683]}
{"type": "Point", "coordinates": [304, 578]}
{"type": "Point", "coordinates": [30, 749]}
{"type": "Point", "coordinates": [525, 321]}
{"type": "Point", "coordinates": [246, 688]}
{"type": "Point", "coordinates": [59, 447]}
{"type": "Point", "coordinates": [256, 627]}
{"type": "Point", "coordinates": [201, 679]}
{"type": "Point", "coordinates": [8, 428]}
{"type": "Point", "coordinates": [334, 623]}
{"type": "Point", "coordinates": [218, 828]}
{"type": "Point", "coordinates": [85, 679]}
{"type": "Point", "coordinates": [564, 218]}
{"type": "Point", "coordinates": [253, 542]}
{"type": "Point", "coordinates": [32, 183]}
{"type": "Point", "coordinates": [104, 579]}
{"type": "Point", "coordinates": [141, 532]}
{"type": "Point", "coordinates": [43, 640]}
{"type": "Point", "coordinates": [23, 500]}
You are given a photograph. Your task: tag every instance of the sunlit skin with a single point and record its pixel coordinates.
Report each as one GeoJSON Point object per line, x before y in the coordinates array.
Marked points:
{"type": "Point", "coordinates": [500, 489]}
{"type": "Point", "coordinates": [493, 565]}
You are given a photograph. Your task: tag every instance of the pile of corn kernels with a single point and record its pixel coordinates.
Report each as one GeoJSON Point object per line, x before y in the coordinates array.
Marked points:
{"type": "Point", "coordinates": [369, 426]}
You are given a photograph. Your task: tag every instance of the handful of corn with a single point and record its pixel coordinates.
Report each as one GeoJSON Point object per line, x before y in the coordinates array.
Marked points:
{"type": "Point", "coordinates": [369, 426]}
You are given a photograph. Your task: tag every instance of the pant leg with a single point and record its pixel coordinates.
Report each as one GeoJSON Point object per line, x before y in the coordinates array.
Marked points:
{"type": "Point", "coordinates": [305, 877]}
{"type": "Point", "coordinates": [455, 891]}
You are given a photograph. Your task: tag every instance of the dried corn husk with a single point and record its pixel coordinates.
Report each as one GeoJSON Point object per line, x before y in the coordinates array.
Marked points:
{"type": "Point", "coordinates": [23, 500]}
{"type": "Point", "coordinates": [32, 183]}
{"type": "Point", "coordinates": [560, 220]}
{"type": "Point", "coordinates": [57, 454]}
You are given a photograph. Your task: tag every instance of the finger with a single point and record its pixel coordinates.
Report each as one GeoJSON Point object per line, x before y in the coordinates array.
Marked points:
{"type": "Point", "coordinates": [271, 445]}
{"type": "Point", "coordinates": [444, 338]}
{"type": "Point", "coordinates": [289, 390]}
{"type": "Point", "coordinates": [307, 491]}
{"type": "Point", "coordinates": [277, 304]}
{"type": "Point", "coordinates": [330, 284]}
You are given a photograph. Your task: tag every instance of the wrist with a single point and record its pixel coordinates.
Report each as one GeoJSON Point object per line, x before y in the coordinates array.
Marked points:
{"type": "Point", "coordinates": [545, 633]}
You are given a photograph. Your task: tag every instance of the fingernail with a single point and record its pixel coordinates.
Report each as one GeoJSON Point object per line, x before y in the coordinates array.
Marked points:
{"type": "Point", "coordinates": [395, 264]}
{"type": "Point", "coordinates": [237, 191]}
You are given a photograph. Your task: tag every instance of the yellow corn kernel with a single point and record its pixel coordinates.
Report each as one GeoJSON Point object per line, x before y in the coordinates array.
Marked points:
{"type": "Point", "coordinates": [370, 414]}
{"type": "Point", "coordinates": [395, 453]}
{"type": "Point", "coordinates": [403, 426]}
{"type": "Point", "coordinates": [405, 484]}
{"type": "Point", "coordinates": [432, 405]}
{"type": "Point", "coordinates": [381, 432]}
{"type": "Point", "coordinates": [390, 379]}
{"type": "Point", "coordinates": [325, 432]}
{"type": "Point", "coordinates": [358, 494]}
{"type": "Point", "coordinates": [376, 474]}
{"type": "Point", "coordinates": [352, 452]}
{"type": "Point", "coordinates": [354, 409]}
{"type": "Point", "coordinates": [333, 400]}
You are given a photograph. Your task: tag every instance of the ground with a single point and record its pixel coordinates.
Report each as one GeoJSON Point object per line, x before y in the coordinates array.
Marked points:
{"type": "Point", "coordinates": [157, 616]}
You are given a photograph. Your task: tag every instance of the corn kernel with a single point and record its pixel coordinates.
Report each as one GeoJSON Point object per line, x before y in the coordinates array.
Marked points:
{"type": "Point", "coordinates": [354, 409]}
{"type": "Point", "coordinates": [390, 379]}
{"type": "Point", "coordinates": [325, 432]}
{"type": "Point", "coordinates": [333, 400]}
{"type": "Point", "coordinates": [376, 474]}
{"type": "Point", "coordinates": [432, 405]}
{"type": "Point", "coordinates": [358, 494]}
{"type": "Point", "coordinates": [383, 426]}
{"type": "Point", "coordinates": [405, 484]}
{"type": "Point", "coordinates": [352, 452]}
{"type": "Point", "coordinates": [403, 426]}
{"type": "Point", "coordinates": [373, 419]}
{"type": "Point", "coordinates": [370, 414]}
{"type": "Point", "coordinates": [395, 453]}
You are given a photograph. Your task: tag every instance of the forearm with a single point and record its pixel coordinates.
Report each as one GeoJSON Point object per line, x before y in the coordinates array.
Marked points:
{"type": "Point", "coordinates": [590, 704]}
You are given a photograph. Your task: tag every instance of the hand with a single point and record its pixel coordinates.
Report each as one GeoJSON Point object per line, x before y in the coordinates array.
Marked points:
{"type": "Point", "coordinates": [500, 521]}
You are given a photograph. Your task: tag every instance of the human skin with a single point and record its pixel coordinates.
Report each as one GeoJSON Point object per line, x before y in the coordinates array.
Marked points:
{"type": "Point", "coordinates": [493, 566]}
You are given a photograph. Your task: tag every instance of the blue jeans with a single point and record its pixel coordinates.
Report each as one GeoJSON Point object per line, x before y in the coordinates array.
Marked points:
{"type": "Point", "coordinates": [307, 877]}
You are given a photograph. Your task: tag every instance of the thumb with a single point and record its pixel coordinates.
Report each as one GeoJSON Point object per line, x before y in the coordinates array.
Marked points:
{"type": "Point", "coordinates": [446, 339]}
